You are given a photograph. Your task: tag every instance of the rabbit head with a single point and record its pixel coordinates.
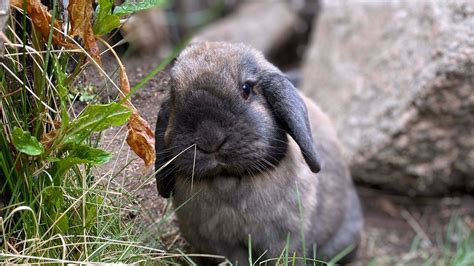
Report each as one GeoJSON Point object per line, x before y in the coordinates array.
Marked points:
{"type": "Point", "coordinates": [229, 112]}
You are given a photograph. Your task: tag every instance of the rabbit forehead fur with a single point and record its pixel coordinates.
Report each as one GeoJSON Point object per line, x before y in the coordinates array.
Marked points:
{"type": "Point", "coordinates": [219, 64]}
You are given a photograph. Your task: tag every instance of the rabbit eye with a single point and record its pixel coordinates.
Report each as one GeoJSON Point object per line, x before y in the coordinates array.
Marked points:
{"type": "Point", "coordinates": [246, 90]}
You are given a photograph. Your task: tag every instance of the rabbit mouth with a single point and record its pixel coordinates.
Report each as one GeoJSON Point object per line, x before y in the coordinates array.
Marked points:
{"type": "Point", "coordinates": [203, 164]}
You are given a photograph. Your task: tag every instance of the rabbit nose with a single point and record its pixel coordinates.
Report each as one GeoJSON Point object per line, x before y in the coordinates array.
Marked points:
{"type": "Point", "coordinates": [210, 137]}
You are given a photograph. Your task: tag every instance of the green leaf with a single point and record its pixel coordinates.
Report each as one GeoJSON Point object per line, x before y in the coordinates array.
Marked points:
{"type": "Point", "coordinates": [54, 198]}
{"type": "Point", "coordinates": [105, 21]}
{"type": "Point", "coordinates": [24, 142]}
{"type": "Point", "coordinates": [91, 215]}
{"type": "Point", "coordinates": [104, 8]}
{"type": "Point", "coordinates": [86, 97]}
{"type": "Point", "coordinates": [127, 7]}
{"type": "Point", "coordinates": [52, 159]}
{"type": "Point", "coordinates": [99, 200]}
{"type": "Point", "coordinates": [62, 91]}
{"type": "Point", "coordinates": [95, 118]}
{"type": "Point", "coordinates": [106, 25]}
{"type": "Point", "coordinates": [53, 203]}
{"type": "Point", "coordinates": [79, 154]}
{"type": "Point", "coordinates": [62, 225]}
{"type": "Point", "coordinates": [91, 155]}
{"type": "Point", "coordinates": [60, 168]}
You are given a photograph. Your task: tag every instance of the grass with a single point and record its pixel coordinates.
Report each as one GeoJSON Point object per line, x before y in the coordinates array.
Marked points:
{"type": "Point", "coordinates": [454, 246]}
{"type": "Point", "coordinates": [58, 205]}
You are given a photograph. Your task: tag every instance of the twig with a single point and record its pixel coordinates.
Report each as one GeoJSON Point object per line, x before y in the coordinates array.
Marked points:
{"type": "Point", "coordinates": [416, 227]}
{"type": "Point", "coordinates": [10, 93]}
{"type": "Point", "coordinates": [4, 38]}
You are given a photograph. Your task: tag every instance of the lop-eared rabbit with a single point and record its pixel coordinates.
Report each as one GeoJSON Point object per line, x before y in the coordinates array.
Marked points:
{"type": "Point", "coordinates": [251, 161]}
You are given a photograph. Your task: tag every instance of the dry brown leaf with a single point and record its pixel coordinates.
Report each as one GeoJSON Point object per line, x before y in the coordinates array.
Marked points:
{"type": "Point", "coordinates": [80, 13]}
{"type": "Point", "coordinates": [124, 84]}
{"type": "Point", "coordinates": [41, 19]}
{"type": "Point", "coordinates": [141, 138]}
{"type": "Point", "coordinates": [48, 138]}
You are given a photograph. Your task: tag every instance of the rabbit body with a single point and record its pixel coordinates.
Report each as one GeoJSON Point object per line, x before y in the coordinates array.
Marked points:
{"type": "Point", "coordinates": [279, 202]}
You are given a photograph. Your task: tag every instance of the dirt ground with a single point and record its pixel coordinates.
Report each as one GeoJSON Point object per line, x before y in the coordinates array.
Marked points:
{"type": "Point", "coordinates": [393, 224]}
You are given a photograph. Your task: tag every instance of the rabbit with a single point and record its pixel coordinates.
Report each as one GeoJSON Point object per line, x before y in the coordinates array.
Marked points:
{"type": "Point", "coordinates": [253, 166]}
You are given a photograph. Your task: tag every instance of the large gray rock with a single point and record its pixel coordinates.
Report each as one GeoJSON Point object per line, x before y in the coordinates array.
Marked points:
{"type": "Point", "coordinates": [265, 25]}
{"type": "Point", "coordinates": [147, 31]}
{"type": "Point", "coordinates": [398, 80]}
{"type": "Point", "coordinates": [4, 6]}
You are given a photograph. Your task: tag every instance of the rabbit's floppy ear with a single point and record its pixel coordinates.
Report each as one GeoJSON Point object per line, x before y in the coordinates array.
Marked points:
{"type": "Point", "coordinates": [291, 111]}
{"type": "Point", "coordinates": [165, 175]}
